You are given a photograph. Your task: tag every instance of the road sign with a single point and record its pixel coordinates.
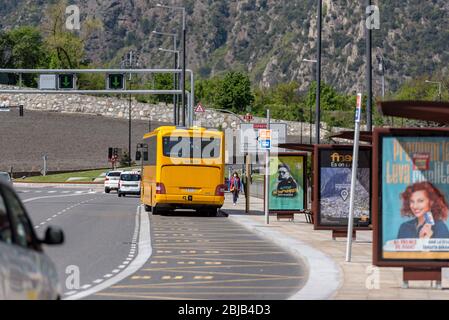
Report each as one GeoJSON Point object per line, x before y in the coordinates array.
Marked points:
{"type": "Point", "coordinates": [66, 81]}
{"type": "Point", "coordinates": [116, 81]}
{"type": "Point", "coordinates": [265, 139]}
{"type": "Point", "coordinates": [265, 144]}
{"type": "Point", "coordinates": [264, 134]}
{"type": "Point", "coordinates": [249, 136]}
{"type": "Point", "coordinates": [358, 110]}
{"type": "Point", "coordinates": [248, 117]}
{"type": "Point", "coordinates": [200, 108]}
{"type": "Point", "coordinates": [47, 82]}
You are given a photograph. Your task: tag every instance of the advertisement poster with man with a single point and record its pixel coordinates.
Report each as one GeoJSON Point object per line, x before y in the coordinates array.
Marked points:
{"type": "Point", "coordinates": [287, 183]}
{"type": "Point", "coordinates": [335, 170]}
{"type": "Point", "coordinates": [414, 201]}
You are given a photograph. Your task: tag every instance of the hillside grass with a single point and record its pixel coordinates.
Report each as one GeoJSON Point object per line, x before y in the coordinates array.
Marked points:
{"type": "Point", "coordinates": [87, 176]}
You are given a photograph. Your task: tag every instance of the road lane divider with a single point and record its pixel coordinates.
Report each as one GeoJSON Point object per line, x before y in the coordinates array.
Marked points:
{"type": "Point", "coordinates": [144, 252]}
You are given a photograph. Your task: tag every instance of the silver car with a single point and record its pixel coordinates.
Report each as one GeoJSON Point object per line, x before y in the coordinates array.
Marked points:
{"type": "Point", "coordinates": [26, 272]}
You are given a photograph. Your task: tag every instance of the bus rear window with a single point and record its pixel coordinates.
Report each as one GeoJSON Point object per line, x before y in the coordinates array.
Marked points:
{"type": "Point", "coordinates": [185, 147]}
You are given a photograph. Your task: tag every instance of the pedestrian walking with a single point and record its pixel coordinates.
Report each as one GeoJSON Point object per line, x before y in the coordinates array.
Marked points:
{"type": "Point", "coordinates": [235, 187]}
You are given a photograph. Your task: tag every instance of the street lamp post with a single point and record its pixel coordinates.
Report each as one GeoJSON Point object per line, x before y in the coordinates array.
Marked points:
{"type": "Point", "coordinates": [175, 76]}
{"type": "Point", "coordinates": [310, 110]}
{"type": "Point", "coordinates": [318, 72]}
{"type": "Point", "coordinates": [183, 74]}
{"type": "Point", "coordinates": [381, 62]}
{"type": "Point", "coordinates": [369, 74]}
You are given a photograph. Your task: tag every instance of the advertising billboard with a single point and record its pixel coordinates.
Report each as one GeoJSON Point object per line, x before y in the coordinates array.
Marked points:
{"type": "Point", "coordinates": [287, 183]}
{"type": "Point", "coordinates": [332, 187]}
{"type": "Point", "coordinates": [412, 197]}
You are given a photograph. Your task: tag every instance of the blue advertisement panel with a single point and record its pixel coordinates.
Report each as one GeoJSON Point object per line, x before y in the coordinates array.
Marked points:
{"type": "Point", "coordinates": [415, 193]}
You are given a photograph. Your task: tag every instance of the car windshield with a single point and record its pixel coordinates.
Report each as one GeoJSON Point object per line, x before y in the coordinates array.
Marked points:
{"type": "Point", "coordinates": [114, 174]}
{"type": "Point", "coordinates": [4, 177]}
{"type": "Point", "coordinates": [130, 177]}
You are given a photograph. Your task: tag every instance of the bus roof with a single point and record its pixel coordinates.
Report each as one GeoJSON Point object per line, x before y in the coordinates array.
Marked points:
{"type": "Point", "coordinates": [169, 129]}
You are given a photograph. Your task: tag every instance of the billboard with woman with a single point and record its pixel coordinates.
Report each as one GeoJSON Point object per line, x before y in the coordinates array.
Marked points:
{"type": "Point", "coordinates": [413, 192]}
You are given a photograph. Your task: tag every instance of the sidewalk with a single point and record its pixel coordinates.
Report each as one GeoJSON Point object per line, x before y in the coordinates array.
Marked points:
{"type": "Point", "coordinates": [330, 276]}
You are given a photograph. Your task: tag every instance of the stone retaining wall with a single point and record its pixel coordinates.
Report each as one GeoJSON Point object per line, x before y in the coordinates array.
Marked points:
{"type": "Point", "coordinates": [118, 108]}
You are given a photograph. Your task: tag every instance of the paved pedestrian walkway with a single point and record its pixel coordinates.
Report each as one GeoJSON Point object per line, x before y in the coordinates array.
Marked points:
{"type": "Point", "coordinates": [330, 276]}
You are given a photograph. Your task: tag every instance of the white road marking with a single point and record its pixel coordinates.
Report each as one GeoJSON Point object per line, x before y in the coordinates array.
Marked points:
{"type": "Point", "coordinates": [51, 192]}
{"type": "Point", "coordinates": [145, 252]}
{"type": "Point", "coordinates": [107, 275]}
{"type": "Point", "coordinates": [70, 293]}
{"type": "Point", "coordinates": [98, 281]}
{"type": "Point", "coordinates": [87, 286]}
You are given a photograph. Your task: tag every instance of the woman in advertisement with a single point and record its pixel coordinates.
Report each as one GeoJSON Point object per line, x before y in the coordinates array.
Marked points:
{"type": "Point", "coordinates": [428, 206]}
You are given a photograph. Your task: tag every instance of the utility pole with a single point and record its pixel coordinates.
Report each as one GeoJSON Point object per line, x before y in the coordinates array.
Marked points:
{"type": "Point", "coordinates": [318, 72]}
{"type": "Point", "coordinates": [130, 61]}
{"type": "Point", "coordinates": [369, 74]}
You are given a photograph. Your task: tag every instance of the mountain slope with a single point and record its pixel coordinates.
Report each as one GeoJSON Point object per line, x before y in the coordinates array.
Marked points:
{"type": "Point", "coordinates": [267, 38]}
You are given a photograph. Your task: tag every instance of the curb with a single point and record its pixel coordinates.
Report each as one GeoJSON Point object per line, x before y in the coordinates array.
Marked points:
{"type": "Point", "coordinates": [325, 277]}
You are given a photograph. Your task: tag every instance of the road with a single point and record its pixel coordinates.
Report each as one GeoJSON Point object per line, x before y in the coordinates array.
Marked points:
{"type": "Point", "coordinates": [192, 257]}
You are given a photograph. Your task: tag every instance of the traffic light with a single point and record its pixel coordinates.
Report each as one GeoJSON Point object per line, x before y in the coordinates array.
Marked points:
{"type": "Point", "coordinates": [66, 81]}
{"type": "Point", "coordinates": [116, 81]}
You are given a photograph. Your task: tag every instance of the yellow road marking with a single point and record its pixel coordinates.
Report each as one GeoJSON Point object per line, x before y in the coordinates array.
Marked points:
{"type": "Point", "coordinates": [236, 274]}
{"type": "Point", "coordinates": [221, 266]}
{"type": "Point", "coordinates": [148, 286]}
{"type": "Point", "coordinates": [224, 260]}
{"type": "Point", "coordinates": [139, 295]}
{"type": "Point", "coordinates": [221, 254]}
{"type": "Point", "coordinates": [141, 277]}
{"type": "Point", "coordinates": [172, 277]}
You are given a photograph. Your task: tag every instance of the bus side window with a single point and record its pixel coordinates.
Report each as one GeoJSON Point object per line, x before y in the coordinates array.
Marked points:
{"type": "Point", "coordinates": [145, 156]}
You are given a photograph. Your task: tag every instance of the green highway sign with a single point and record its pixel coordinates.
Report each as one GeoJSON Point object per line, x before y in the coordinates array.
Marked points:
{"type": "Point", "coordinates": [116, 81]}
{"type": "Point", "coordinates": [66, 81]}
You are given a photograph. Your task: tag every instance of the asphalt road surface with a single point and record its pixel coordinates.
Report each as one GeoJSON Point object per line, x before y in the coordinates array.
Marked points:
{"type": "Point", "coordinates": [192, 257]}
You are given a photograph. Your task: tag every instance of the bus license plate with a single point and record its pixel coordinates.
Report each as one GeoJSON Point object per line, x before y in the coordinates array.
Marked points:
{"type": "Point", "coordinates": [188, 198]}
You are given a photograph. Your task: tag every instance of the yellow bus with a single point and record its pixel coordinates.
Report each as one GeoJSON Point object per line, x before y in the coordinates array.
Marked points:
{"type": "Point", "coordinates": [183, 169]}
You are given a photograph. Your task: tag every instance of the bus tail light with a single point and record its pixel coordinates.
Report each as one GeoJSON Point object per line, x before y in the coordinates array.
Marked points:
{"type": "Point", "coordinates": [220, 190]}
{"type": "Point", "coordinates": [160, 188]}
{"type": "Point", "coordinates": [106, 179]}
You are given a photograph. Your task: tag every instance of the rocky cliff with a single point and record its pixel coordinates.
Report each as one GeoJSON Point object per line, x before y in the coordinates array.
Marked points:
{"type": "Point", "coordinates": [267, 38]}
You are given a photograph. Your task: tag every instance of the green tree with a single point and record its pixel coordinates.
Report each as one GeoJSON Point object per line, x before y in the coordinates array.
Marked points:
{"type": "Point", "coordinates": [207, 90]}
{"type": "Point", "coordinates": [235, 92]}
{"type": "Point", "coordinates": [164, 81]}
{"type": "Point", "coordinates": [22, 48]}
{"type": "Point", "coordinates": [66, 48]}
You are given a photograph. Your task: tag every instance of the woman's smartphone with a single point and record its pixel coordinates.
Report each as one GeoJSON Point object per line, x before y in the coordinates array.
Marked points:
{"type": "Point", "coordinates": [429, 218]}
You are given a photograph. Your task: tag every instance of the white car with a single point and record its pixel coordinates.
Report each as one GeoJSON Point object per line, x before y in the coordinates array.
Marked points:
{"type": "Point", "coordinates": [129, 183]}
{"type": "Point", "coordinates": [4, 177]}
{"type": "Point", "coordinates": [111, 181]}
{"type": "Point", "coordinates": [26, 272]}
